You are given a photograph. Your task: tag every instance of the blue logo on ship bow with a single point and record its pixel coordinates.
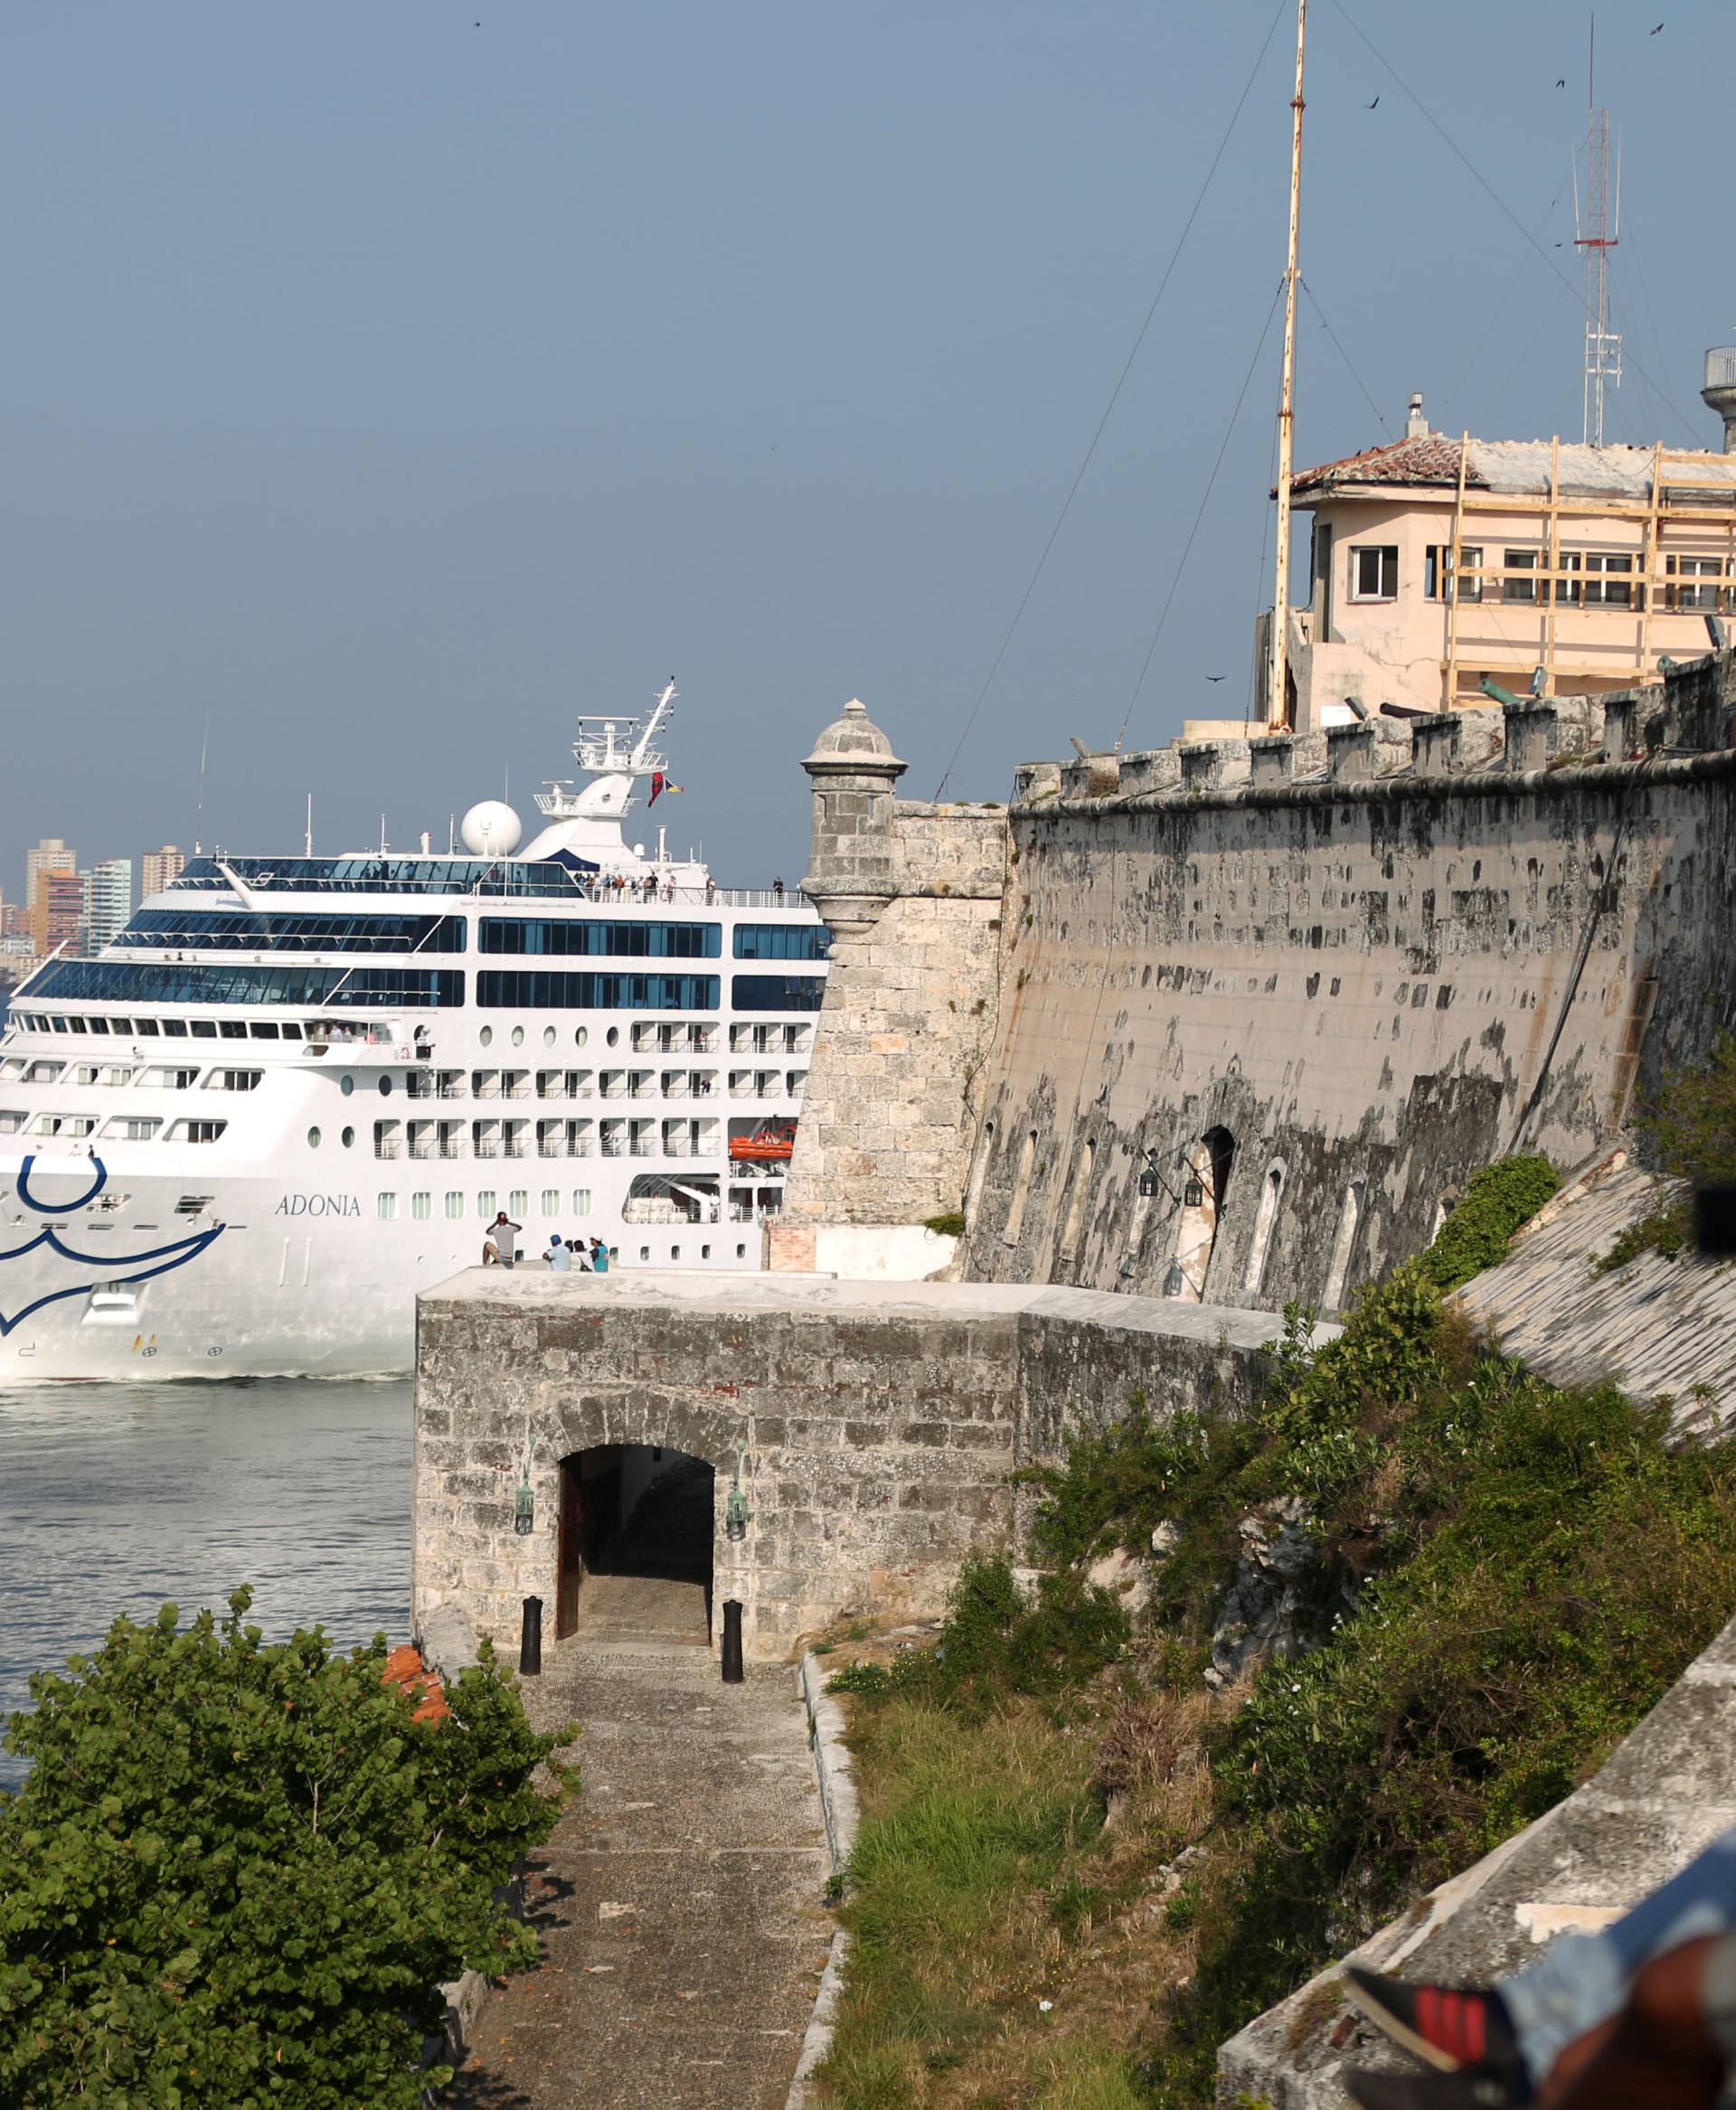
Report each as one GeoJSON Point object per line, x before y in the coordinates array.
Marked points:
{"type": "Point", "coordinates": [106, 1267]}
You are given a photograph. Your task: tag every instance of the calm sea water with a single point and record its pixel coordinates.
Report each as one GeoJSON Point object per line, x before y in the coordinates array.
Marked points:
{"type": "Point", "coordinates": [117, 1498]}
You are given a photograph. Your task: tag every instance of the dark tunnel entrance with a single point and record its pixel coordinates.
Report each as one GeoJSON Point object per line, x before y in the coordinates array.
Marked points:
{"type": "Point", "coordinates": [635, 1544]}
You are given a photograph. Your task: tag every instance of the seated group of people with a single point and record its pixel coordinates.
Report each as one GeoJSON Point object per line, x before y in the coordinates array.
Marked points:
{"type": "Point", "coordinates": [500, 1250]}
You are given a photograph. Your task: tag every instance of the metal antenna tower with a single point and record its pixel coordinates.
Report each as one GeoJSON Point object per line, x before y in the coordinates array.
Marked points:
{"type": "Point", "coordinates": [1595, 241]}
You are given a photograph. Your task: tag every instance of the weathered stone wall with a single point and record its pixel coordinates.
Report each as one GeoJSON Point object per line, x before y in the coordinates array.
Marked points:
{"type": "Point", "coordinates": [1366, 961]}
{"type": "Point", "coordinates": [891, 1106]}
{"type": "Point", "coordinates": [877, 1422]}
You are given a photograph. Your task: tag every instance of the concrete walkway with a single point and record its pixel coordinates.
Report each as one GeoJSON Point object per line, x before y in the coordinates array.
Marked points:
{"type": "Point", "coordinates": [680, 1902]}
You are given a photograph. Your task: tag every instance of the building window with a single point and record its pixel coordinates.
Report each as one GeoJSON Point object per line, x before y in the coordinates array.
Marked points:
{"type": "Point", "coordinates": [421, 1207]}
{"type": "Point", "coordinates": [485, 1203]}
{"type": "Point", "coordinates": [1519, 590]}
{"type": "Point", "coordinates": [1692, 587]}
{"type": "Point", "coordinates": [518, 1202]}
{"type": "Point", "coordinates": [312, 1139]}
{"type": "Point", "coordinates": [454, 1204]}
{"type": "Point", "coordinates": [1375, 571]}
{"type": "Point", "coordinates": [197, 1131]}
{"type": "Point", "coordinates": [1438, 573]}
{"type": "Point", "coordinates": [387, 1207]}
{"type": "Point", "coordinates": [581, 1201]}
{"type": "Point", "coordinates": [551, 1201]}
{"type": "Point", "coordinates": [1608, 582]}
{"type": "Point", "coordinates": [782, 941]}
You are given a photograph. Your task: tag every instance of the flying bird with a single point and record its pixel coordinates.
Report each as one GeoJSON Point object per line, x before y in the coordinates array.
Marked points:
{"type": "Point", "coordinates": [1214, 677]}
{"type": "Point", "coordinates": [1561, 84]}
{"type": "Point", "coordinates": [1375, 104]}
{"type": "Point", "coordinates": [1656, 32]}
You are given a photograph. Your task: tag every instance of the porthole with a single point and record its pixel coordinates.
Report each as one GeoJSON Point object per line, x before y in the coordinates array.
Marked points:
{"type": "Point", "coordinates": [704, 1252]}
{"type": "Point", "coordinates": [581, 1035]}
{"type": "Point", "coordinates": [518, 1036]}
{"type": "Point", "coordinates": [347, 1138]}
{"type": "Point", "coordinates": [548, 1036]}
{"type": "Point", "coordinates": [347, 1084]}
{"type": "Point", "coordinates": [741, 1252]}
{"type": "Point", "coordinates": [613, 1035]}
{"type": "Point", "coordinates": [645, 1252]}
{"type": "Point", "coordinates": [312, 1139]}
{"type": "Point", "coordinates": [385, 1087]}
{"type": "Point", "coordinates": [486, 1036]}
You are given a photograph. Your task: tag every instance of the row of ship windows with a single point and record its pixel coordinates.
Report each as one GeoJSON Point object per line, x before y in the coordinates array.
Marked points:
{"type": "Point", "coordinates": [157, 929]}
{"type": "Point", "coordinates": [617, 1137]}
{"type": "Point", "coordinates": [696, 1037]}
{"type": "Point", "coordinates": [417, 988]}
{"type": "Point", "coordinates": [442, 1084]}
{"type": "Point", "coordinates": [552, 1202]}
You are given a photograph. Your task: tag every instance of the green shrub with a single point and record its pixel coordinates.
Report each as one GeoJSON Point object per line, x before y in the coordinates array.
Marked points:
{"type": "Point", "coordinates": [948, 1224]}
{"type": "Point", "coordinates": [239, 1871]}
{"type": "Point", "coordinates": [1497, 1199]}
{"type": "Point", "coordinates": [1666, 1232]}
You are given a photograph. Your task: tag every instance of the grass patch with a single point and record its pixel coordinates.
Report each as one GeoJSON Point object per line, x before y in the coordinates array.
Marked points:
{"type": "Point", "coordinates": [1508, 1575]}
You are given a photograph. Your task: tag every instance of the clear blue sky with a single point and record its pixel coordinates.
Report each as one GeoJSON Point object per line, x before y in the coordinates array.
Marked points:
{"type": "Point", "coordinates": [393, 380]}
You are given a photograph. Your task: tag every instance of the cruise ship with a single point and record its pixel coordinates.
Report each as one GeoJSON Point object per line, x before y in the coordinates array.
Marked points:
{"type": "Point", "coordinates": [296, 1090]}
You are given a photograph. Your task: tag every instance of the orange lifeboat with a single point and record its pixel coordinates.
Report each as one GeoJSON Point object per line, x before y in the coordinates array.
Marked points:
{"type": "Point", "coordinates": [770, 1146]}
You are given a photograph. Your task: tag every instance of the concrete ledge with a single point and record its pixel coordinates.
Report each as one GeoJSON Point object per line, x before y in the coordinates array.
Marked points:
{"type": "Point", "coordinates": [836, 1771]}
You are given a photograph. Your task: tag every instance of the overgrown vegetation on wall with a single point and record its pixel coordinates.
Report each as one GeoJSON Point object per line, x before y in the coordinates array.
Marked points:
{"type": "Point", "coordinates": [237, 1873]}
{"type": "Point", "coordinates": [1690, 1131]}
{"type": "Point", "coordinates": [1505, 1575]}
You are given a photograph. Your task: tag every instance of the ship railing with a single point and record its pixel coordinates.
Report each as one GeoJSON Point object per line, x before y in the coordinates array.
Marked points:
{"type": "Point", "coordinates": [645, 1146]}
{"type": "Point", "coordinates": [614, 1146]}
{"type": "Point", "coordinates": [518, 1091]}
{"type": "Point", "coordinates": [487, 1146]}
{"type": "Point", "coordinates": [514, 1146]}
{"type": "Point", "coordinates": [422, 1150]}
{"type": "Point", "coordinates": [388, 1146]}
{"type": "Point", "coordinates": [487, 1092]}
{"type": "Point", "coordinates": [452, 1150]}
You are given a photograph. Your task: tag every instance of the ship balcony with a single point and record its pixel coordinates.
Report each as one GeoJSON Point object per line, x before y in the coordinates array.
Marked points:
{"type": "Point", "coordinates": [388, 1146]}
{"type": "Point", "coordinates": [487, 1146]}
{"type": "Point", "coordinates": [422, 1150]}
{"type": "Point", "coordinates": [614, 1146]}
{"type": "Point", "coordinates": [514, 1146]}
{"type": "Point", "coordinates": [451, 1148]}
{"type": "Point", "coordinates": [645, 1146]}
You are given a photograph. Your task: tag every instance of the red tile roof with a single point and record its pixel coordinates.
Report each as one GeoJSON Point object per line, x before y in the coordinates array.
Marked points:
{"type": "Point", "coordinates": [406, 1670]}
{"type": "Point", "coordinates": [1429, 458]}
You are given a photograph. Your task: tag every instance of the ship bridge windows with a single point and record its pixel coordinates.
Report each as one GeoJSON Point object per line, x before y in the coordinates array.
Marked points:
{"type": "Point", "coordinates": [203, 1028]}
{"type": "Point", "coordinates": [236, 982]}
{"type": "Point", "coordinates": [782, 941]}
{"type": "Point", "coordinates": [552, 991]}
{"type": "Point", "coordinates": [776, 991]}
{"type": "Point", "coordinates": [62, 1125]}
{"type": "Point", "coordinates": [599, 936]}
{"type": "Point", "coordinates": [204, 931]}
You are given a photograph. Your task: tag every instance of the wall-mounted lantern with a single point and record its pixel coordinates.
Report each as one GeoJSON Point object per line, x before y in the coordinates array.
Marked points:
{"type": "Point", "coordinates": [1193, 1195]}
{"type": "Point", "coordinates": [524, 1500]}
{"type": "Point", "coordinates": [737, 1516]}
{"type": "Point", "coordinates": [1149, 1184]}
{"type": "Point", "coordinates": [1174, 1281]}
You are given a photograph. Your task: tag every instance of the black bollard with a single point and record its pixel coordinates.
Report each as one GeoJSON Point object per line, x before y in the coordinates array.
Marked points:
{"type": "Point", "coordinates": [732, 1641]}
{"type": "Point", "coordinates": [529, 1640]}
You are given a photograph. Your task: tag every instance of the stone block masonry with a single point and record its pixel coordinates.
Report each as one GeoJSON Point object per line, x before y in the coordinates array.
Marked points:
{"type": "Point", "coordinates": [1258, 1025]}
{"type": "Point", "coordinates": [878, 1423]}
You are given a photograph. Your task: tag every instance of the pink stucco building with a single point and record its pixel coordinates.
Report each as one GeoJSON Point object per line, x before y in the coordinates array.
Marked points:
{"type": "Point", "coordinates": [1439, 563]}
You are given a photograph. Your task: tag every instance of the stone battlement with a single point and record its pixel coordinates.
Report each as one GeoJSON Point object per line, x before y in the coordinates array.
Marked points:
{"type": "Point", "coordinates": [1693, 714]}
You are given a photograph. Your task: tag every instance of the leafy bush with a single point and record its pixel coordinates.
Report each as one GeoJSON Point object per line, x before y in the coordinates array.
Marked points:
{"type": "Point", "coordinates": [948, 1224]}
{"type": "Point", "coordinates": [1496, 1201]}
{"type": "Point", "coordinates": [239, 1871]}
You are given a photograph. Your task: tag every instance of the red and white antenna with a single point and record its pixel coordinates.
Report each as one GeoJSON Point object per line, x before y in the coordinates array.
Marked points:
{"type": "Point", "coordinates": [1594, 240]}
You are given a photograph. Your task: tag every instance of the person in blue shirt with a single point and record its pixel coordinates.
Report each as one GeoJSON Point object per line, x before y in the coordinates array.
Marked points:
{"type": "Point", "coordinates": [598, 1258]}
{"type": "Point", "coordinates": [559, 1258]}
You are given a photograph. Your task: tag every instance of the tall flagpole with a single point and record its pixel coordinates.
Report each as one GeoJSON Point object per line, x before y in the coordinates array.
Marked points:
{"type": "Point", "coordinates": [1276, 702]}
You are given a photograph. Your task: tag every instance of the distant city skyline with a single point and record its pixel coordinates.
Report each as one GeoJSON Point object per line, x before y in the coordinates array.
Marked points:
{"type": "Point", "coordinates": [381, 414]}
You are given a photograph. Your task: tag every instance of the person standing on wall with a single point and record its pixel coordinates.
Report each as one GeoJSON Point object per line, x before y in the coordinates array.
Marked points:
{"type": "Point", "coordinates": [504, 1233]}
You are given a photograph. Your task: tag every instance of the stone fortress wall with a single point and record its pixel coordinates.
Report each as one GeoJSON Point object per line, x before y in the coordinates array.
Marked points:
{"type": "Point", "coordinates": [1296, 989]}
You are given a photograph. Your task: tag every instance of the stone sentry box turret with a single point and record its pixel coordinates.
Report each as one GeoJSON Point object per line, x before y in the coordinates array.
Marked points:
{"type": "Point", "coordinates": [911, 893]}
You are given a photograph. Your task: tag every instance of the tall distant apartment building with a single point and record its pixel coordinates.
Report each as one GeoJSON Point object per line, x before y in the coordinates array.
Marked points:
{"type": "Point", "coordinates": [108, 900]}
{"type": "Point", "coordinates": [51, 854]}
{"type": "Point", "coordinates": [57, 910]}
{"type": "Point", "coordinates": [158, 869]}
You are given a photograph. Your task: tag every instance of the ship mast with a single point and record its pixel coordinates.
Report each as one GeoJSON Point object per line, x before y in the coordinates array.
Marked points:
{"type": "Point", "coordinates": [1277, 701]}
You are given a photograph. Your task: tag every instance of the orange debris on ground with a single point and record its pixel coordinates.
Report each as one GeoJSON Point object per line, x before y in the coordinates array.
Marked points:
{"type": "Point", "coordinates": [406, 1670]}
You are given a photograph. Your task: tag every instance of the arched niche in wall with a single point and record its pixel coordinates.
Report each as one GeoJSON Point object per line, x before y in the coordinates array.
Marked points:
{"type": "Point", "coordinates": [1344, 1246]}
{"type": "Point", "coordinates": [979, 1173]}
{"type": "Point", "coordinates": [1021, 1188]}
{"type": "Point", "coordinates": [1205, 1182]}
{"type": "Point", "coordinates": [1077, 1200]}
{"type": "Point", "coordinates": [1272, 1194]}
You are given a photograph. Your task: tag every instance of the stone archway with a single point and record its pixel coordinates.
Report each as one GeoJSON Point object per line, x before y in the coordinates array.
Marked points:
{"type": "Point", "coordinates": [634, 1546]}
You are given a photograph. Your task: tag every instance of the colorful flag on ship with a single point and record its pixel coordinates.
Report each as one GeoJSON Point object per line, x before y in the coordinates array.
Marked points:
{"type": "Point", "coordinates": [659, 784]}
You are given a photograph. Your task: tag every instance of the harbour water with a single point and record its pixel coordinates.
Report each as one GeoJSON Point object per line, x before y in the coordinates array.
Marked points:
{"type": "Point", "coordinates": [116, 1498]}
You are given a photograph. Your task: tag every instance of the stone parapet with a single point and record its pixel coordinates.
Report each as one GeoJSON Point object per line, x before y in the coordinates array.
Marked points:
{"type": "Point", "coordinates": [877, 1423]}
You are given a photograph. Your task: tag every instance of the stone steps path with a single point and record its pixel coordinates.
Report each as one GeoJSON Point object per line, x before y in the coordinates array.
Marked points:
{"type": "Point", "coordinates": [681, 1900]}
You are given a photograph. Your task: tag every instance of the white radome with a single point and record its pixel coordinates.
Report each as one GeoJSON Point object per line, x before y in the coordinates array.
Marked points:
{"type": "Point", "coordinates": [491, 829]}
